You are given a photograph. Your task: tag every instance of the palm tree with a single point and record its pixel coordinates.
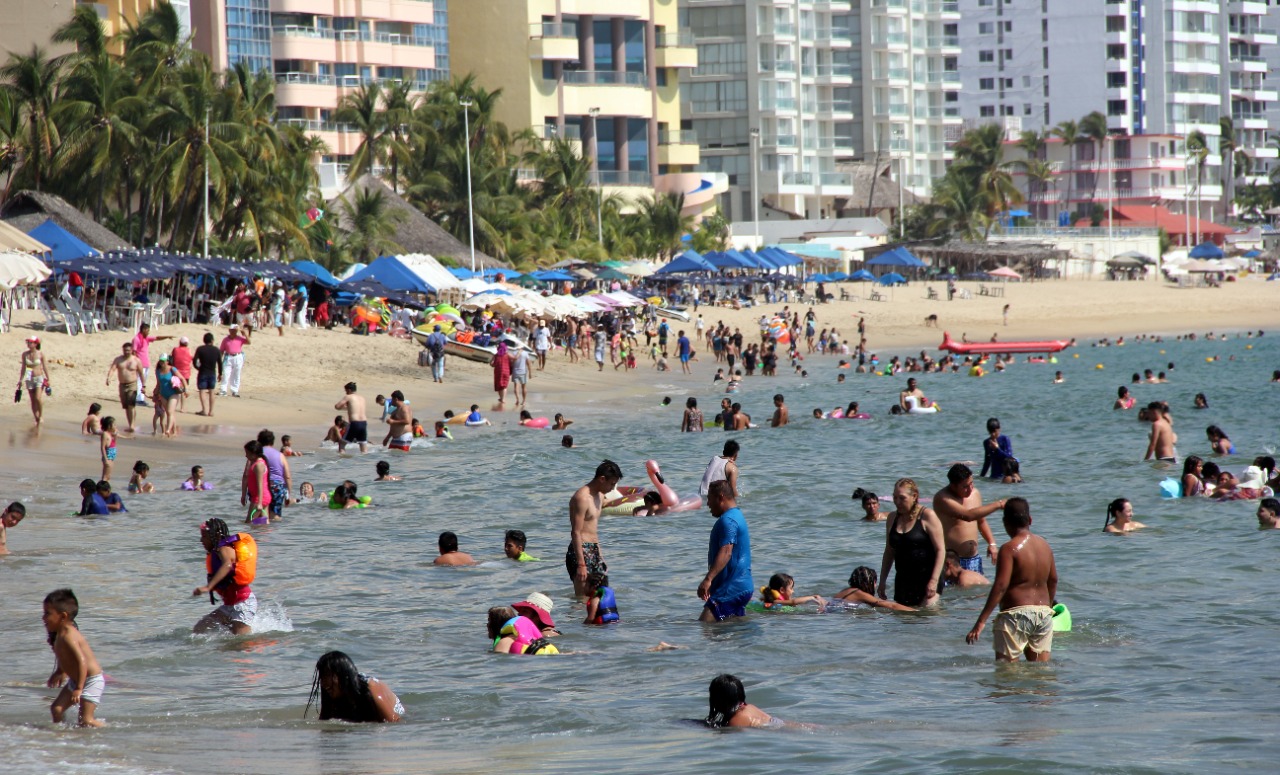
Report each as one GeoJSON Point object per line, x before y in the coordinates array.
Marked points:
{"type": "Point", "coordinates": [10, 140]}
{"type": "Point", "coordinates": [372, 222]}
{"type": "Point", "coordinates": [1198, 149]}
{"type": "Point", "coordinates": [33, 83]}
{"type": "Point", "coordinates": [663, 224]}
{"type": "Point", "coordinates": [1228, 142]}
{"type": "Point", "coordinates": [397, 116]}
{"type": "Point", "coordinates": [361, 110]}
{"type": "Point", "coordinates": [100, 110]}
{"type": "Point", "coordinates": [1093, 131]}
{"type": "Point", "coordinates": [980, 155]}
{"type": "Point", "coordinates": [1069, 132]}
{"type": "Point", "coordinates": [1039, 176]}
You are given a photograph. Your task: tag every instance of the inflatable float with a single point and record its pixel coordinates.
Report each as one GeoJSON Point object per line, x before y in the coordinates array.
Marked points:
{"type": "Point", "coordinates": [913, 406]}
{"type": "Point", "coordinates": [979, 348]}
{"type": "Point", "coordinates": [1061, 618]}
{"type": "Point", "coordinates": [671, 502]}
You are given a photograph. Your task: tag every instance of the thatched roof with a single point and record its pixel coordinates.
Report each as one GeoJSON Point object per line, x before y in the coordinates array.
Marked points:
{"type": "Point", "coordinates": [26, 210]}
{"type": "Point", "coordinates": [416, 233]}
{"type": "Point", "coordinates": [885, 196]}
{"type": "Point", "coordinates": [982, 256]}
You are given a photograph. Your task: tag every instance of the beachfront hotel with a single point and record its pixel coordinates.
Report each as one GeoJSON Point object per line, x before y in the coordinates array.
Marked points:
{"type": "Point", "coordinates": [321, 50]}
{"type": "Point", "coordinates": [1155, 68]}
{"type": "Point", "coordinates": [804, 87]}
{"type": "Point", "coordinates": [602, 73]}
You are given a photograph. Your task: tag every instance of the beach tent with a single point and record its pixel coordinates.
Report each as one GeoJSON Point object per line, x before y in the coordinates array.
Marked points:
{"type": "Point", "coordinates": [462, 273]}
{"type": "Point", "coordinates": [63, 244]}
{"type": "Point", "coordinates": [430, 270]}
{"type": "Point", "coordinates": [349, 271]}
{"type": "Point", "coordinates": [13, 238]}
{"type": "Point", "coordinates": [862, 275]}
{"type": "Point", "coordinates": [727, 260]}
{"type": "Point", "coordinates": [609, 273]}
{"type": "Point", "coordinates": [893, 278]}
{"type": "Point", "coordinates": [1206, 250]}
{"type": "Point", "coordinates": [781, 257]}
{"type": "Point", "coordinates": [1005, 273]}
{"type": "Point", "coordinates": [21, 269]}
{"type": "Point", "coordinates": [897, 257]}
{"type": "Point", "coordinates": [317, 273]}
{"type": "Point", "coordinates": [1142, 257]}
{"type": "Point", "coordinates": [1125, 262]}
{"type": "Point", "coordinates": [838, 277]}
{"type": "Point", "coordinates": [817, 278]}
{"type": "Point", "coordinates": [687, 263]}
{"type": "Point", "coordinates": [554, 276]}
{"type": "Point", "coordinates": [393, 274]}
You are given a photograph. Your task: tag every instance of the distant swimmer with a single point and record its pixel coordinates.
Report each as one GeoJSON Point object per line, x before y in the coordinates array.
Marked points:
{"type": "Point", "coordinates": [1123, 399]}
{"type": "Point", "coordinates": [13, 514]}
{"type": "Point", "coordinates": [1162, 440]}
{"type": "Point", "coordinates": [964, 517]}
{"type": "Point", "coordinates": [1120, 517]}
{"type": "Point", "coordinates": [862, 589]}
{"type": "Point", "coordinates": [870, 503]}
{"type": "Point", "coordinates": [912, 390]}
{"type": "Point", "coordinates": [729, 706]}
{"type": "Point", "coordinates": [1025, 588]}
{"type": "Point", "coordinates": [449, 554]}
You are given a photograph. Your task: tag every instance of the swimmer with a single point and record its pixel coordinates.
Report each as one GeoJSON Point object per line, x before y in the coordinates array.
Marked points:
{"type": "Point", "coordinates": [73, 660]}
{"type": "Point", "coordinates": [781, 591]}
{"type": "Point", "coordinates": [1120, 517]}
{"type": "Point", "coordinates": [114, 503]}
{"type": "Point", "coordinates": [651, 507]}
{"type": "Point", "coordinates": [336, 431]}
{"type": "Point", "coordinates": [138, 483]}
{"type": "Point", "coordinates": [442, 430]}
{"type": "Point", "coordinates": [344, 495]}
{"type": "Point", "coordinates": [512, 633]}
{"type": "Point", "coordinates": [561, 422]}
{"type": "Point", "coordinates": [449, 554]}
{"type": "Point", "coordinates": [306, 493]}
{"type": "Point", "coordinates": [12, 515]}
{"type": "Point", "coordinates": [417, 430]}
{"type": "Point", "coordinates": [953, 575]}
{"type": "Point", "coordinates": [1123, 399]}
{"type": "Point", "coordinates": [286, 447]}
{"type": "Point", "coordinates": [383, 469]}
{"type": "Point", "coordinates": [92, 424]}
{"type": "Point", "coordinates": [536, 607]}
{"type": "Point", "coordinates": [513, 544]}
{"type": "Point", "coordinates": [1218, 441]}
{"type": "Point", "coordinates": [1012, 472]}
{"type": "Point", "coordinates": [870, 503]}
{"type": "Point", "coordinates": [1192, 471]}
{"type": "Point", "coordinates": [475, 419]}
{"type": "Point", "coordinates": [862, 589]}
{"type": "Point", "coordinates": [1201, 401]}
{"type": "Point", "coordinates": [729, 706]}
{"type": "Point", "coordinates": [602, 605]}
{"type": "Point", "coordinates": [345, 694]}
{"type": "Point", "coordinates": [566, 441]}
{"type": "Point", "coordinates": [817, 414]}
{"type": "Point", "coordinates": [1057, 378]}
{"type": "Point", "coordinates": [1209, 475]}
{"type": "Point", "coordinates": [1269, 513]}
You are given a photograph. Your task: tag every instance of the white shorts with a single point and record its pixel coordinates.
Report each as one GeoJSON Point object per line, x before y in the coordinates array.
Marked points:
{"type": "Point", "coordinates": [241, 612]}
{"type": "Point", "coordinates": [93, 686]}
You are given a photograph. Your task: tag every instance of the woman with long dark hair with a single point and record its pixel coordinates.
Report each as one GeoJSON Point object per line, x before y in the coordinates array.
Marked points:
{"type": "Point", "coordinates": [346, 694]}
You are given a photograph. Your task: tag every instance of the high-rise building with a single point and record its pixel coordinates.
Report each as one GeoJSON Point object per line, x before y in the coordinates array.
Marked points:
{"type": "Point", "coordinates": [319, 56]}
{"type": "Point", "coordinates": [600, 72]}
{"type": "Point", "coordinates": [30, 23]}
{"type": "Point", "coordinates": [1152, 67]}
{"type": "Point", "coordinates": [804, 86]}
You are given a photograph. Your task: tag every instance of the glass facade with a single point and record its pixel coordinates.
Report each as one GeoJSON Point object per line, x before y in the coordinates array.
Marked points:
{"type": "Point", "coordinates": [438, 34]}
{"type": "Point", "coordinates": [249, 34]}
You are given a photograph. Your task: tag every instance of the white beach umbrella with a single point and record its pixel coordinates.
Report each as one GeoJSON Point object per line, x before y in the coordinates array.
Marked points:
{"type": "Point", "coordinates": [21, 269]}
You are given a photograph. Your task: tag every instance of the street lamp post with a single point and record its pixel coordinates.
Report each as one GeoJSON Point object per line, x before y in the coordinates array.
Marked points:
{"type": "Point", "coordinates": [755, 191]}
{"type": "Point", "coordinates": [595, 152]}
{"type": "Point", "coordinates": [206, 182]}
{"type": "Point", "coordinates": [465, 103]}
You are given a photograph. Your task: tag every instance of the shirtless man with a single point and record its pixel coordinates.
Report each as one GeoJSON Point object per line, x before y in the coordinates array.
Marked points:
{"type": "Point", "coordinates": [583, 556]}
{"type": "Point", "coordinates": [911, 390]}
{"type": "Point", "coordinates": [959, 506]}
{"type": "Point", "coordinates": [1162, 436]}
{"type": "Point", "coordinates": [449, 554]}
{"type": "Point", "coordinates": [741, 420]}
{"type": "Point", "coordinates": [400, 432]}
{"type": "Point", "coordinates": [357, 420]}
{"type": "Point", "coordinates": [955, 576]}
{"type": "Point", "coordinates": [1026, 586]}
{"type": "Point", "coordinates": [780, 414]}
{"type": "Point", "coordinates": [126, 367]}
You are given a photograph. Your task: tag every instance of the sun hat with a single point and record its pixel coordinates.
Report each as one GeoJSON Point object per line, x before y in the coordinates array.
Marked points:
{"type": "Point", "coordinates": [1252, 478]}
{"type": "Point", "coordinates": [537, 606]}
{"type": "Point", "coordinates": [35, 339]}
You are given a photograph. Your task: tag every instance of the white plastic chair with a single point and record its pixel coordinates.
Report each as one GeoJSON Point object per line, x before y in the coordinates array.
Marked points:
{"type": "Point", "coordinates": [69, 318]}
{"type": "Point", "coordinates": [157, 312]}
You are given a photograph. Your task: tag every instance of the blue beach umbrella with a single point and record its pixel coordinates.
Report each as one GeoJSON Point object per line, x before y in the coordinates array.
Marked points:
{"type": "Point", "coordinates": [863, 276]}
{"type": "Point", "coordinates": [1206, 250]}
{"type": "Point", "coordinates": [893, 278]}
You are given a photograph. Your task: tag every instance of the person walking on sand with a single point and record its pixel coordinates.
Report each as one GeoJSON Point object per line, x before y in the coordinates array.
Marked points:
{"type": "Point", "coordinates": [208, 364]}
{"type": "Point", "coordinates": [541, 343]}
{"type": "Point", "coordinates": [583, 557]}
{"type": "Point", "coordinates": [501, 364]}
{"type": "Point", "coordinates": [181, 360]}
{"type": "Point", "coordinates": [727, 587]}
{"type": "Point", "coordinates": [126, 367]}
{"type": "Point", "coordinates": [34, 376]}
{"type": "Point", "coordinates": [1025, 588]}
{"type": "Point", "coordinates": [142, 348]}
{"type": "Point", "coordinates": [435, 348]}
{"type": "Point", "coordinates": [357, 420]}
{"type": "Point", "coordinates": [232, 348]}
{"type": "Point", "coordinates": [1005, 313]}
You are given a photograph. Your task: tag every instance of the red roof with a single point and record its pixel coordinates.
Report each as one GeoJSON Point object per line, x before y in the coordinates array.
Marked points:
{"type": "Point", "coordinates": [1173, 223]}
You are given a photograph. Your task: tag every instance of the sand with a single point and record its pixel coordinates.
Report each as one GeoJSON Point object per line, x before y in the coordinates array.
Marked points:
{"type": "Point", "coordinates": [291, 382]}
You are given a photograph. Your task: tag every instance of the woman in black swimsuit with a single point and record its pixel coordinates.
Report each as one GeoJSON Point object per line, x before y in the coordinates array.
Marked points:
{"type": "Point", "coordinates": [914, 542]}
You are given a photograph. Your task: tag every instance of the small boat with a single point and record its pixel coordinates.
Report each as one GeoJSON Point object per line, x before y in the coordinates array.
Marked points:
{"type": "Point", "coordinates": [472, 352]}
{"type": "Point", "coordinates": [985, 348]}
{"type": "Point", "coordinates": [675, 313]}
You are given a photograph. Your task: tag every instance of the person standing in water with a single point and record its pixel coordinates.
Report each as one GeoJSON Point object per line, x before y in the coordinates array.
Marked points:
{"type": "Point", "coordinates": [727, 587]}
{"type": "Point", "coordinates": [780, 413]}
{"type": "Point", "coordinates": [1161, 442]}
{"type": "Point", "coordinates": [914, 543]}
{"type": "Point", "coordinates": [959, 507]}
{"type": "Point", "coordinates": [583, 555]}
{"type": "Point", "coordinates": [1025, 588]}
{"type": "Point", "coordinates": [231, 565]}
{"type": "Point", "coordinates": [357, 419]}
{"type": "Point", "coordinates": [722, 468]}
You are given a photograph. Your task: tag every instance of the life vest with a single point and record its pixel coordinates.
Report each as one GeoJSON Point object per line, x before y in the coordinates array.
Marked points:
{"type": "Point", "coordinates": [526, 636]}
{"type": "Point", "coordinates": [607, 611]}
{"type": "Point", "coordinates": [235, 587]}
{"type": "Point", "coordinates": [769, 597]}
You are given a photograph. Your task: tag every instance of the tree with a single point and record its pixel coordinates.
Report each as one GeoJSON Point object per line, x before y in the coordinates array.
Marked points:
{"type": "Point", "coordinates": [1093, 132]}
{"type": "Point", "coordinates": [1198, 148]}
{"type": "Point", "coordinates": [32, 80]}
{"type": "Point", "coordinates": [1069, 132]}
{"type": "Point", "coordinates": [662, 225]}
{"type": "Point", "coordinates": [372, 223]}
{"type": "Point", "coordinates": [361, 110]}
{"type": "Point", "coordinates": [979, 155]}
{"type": "Point", "coordinates": [1228, 143]}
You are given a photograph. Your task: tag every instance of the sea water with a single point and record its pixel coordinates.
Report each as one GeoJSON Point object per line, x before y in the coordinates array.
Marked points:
{"type": "Point", "coordinates": [1170, 668]}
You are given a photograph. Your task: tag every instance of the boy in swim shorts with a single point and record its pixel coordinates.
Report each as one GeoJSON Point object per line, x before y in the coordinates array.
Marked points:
{"type": "Point", "coordinates": [75, 660]}
{"type": "Point", "coordinates": [1025, 587]}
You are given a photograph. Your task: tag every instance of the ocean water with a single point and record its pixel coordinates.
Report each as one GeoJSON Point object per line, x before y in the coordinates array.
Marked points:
{"type": "Point", "coordinates": [1170, 667]}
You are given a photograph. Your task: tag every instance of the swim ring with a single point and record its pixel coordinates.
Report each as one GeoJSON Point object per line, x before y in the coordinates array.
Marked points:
{"type": "Point", "coordinates": [913, 406]}
{"type": "Point", "coordinates": [1061, 618]}
{"type": "Point", "coordinates": [670, 500]}
{"type": "Point", "coordinates": [858, 416]}
{"type": "Point", "coordinates": [536, 422]}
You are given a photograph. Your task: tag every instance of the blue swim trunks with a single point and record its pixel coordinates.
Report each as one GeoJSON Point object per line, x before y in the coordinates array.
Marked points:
{"type": "Point", "coordinates": [735, 606]}
{"type": "Point", "coordinates": [973, 563]}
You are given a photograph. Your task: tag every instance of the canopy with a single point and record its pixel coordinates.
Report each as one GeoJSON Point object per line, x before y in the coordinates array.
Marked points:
{"type": "Point", "coordinates": [687, 262]}
{"type": "Point", "coordinates": [818, 278]}
{"type": "Point", "coordinates": [12, 238]}
{"type": "Point", "coordinates": [862, 275]}
{"type": "Point", "coordinates": [897, 257]}
{"type": "Point", "coordinates": [1005, 272]}
{"type": "Point", "coordinates": [375, 290]}
{"type": "Point", "coordinates": [1143, 257]}
{"type": "Point", "coordinates": [63, 244]}
{"type": "Point", "coordinates": [893, 278]}
{"type": "Point", "coordinates": [430, 270]}
{"type": "Point", "coordinates": [393, 274]}
{"type": "Point", "coordinates": [781, 257]}
{"type": "Point", "coordinates": [554, 276]}
{"type": "Point", "coordinates": [462, 273]}
{"type": "Point", "coordinates": [1125, 262]}
{"type": "Point", "coordinates": [1206, 250]}
{"type": "Point", "coordinates": [609, 273]}
{"type": "Point", "coordinates": [318, 273]}
{"type": "Point", "coordinates": [21, 269]}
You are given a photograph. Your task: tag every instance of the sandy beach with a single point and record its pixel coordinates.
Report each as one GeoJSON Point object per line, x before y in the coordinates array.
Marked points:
{"type": "Point", "coordinates": [291, 382]}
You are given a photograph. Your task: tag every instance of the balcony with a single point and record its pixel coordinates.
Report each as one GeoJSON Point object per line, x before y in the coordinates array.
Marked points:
{"type": "Point", "coordinates": [676, 49]}
{"type": "Point", "coordinates": [678, 147]}
{"type": "Point", "coordinates": [779, 141]}
{"type": "Point", "coordinates": [1256, 36]}
{"type": "Point", "coordinates": [785, 68]}
{"type": "Point", "coordinates": [1255, 93]}
{"type": "Point", "coordinates": [889, 39]}
{"type": "Point", "coordinates": [779, 30]}
{"type": "Point", "coordinates": [893, 109]}
{"type": "Point", "coordinates": [833, 72]}
{"type": "Point", "coordinates": [612, 92]}
{"type": "Point", "coordinates": [549, 132]}
{"type": "Point", "coordinates": [941, 7]}
{"type": "Point", "coordinates": [621, 178]}
{"type": "Point", "coordinates": [1248, 63]}
{"type": "Point", "coordinates": [839, 37]}
{"type": "Point", "coordinates": [631, 9]}
{"type": "Point", "coordinates": [890, 74]}
{"type": "Point", "coordinates": [554, 41]}
{"type": "Point", "coordinates": [1249, 120]}
{"type": "Point", "coordinates": [943, 41]}
{"type": "Point", "coordinates": [776, 104]}
{"type": "Point", "coordinates": [891, 6]}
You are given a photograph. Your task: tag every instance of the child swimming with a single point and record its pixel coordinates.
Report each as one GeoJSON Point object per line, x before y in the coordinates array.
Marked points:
{"type": "Point", "coordinates": [383, 469]}
{"type": "Point", "coordinates": [92, 424]}
{"type": "Point", "coordinates": [196, 480]}
{"type": "Point", "coordinates": [729, 706]}
{"type": "Point", "coordinates": [513, 545]}
{"type": "Point", "coordinates": [781, 591]}
{"type": "Point", "coordinates": [512, 633]}
{"type": "Point", "coordinates": [346, 694]}
{"type": "Point", "coordinates": [138, 482]}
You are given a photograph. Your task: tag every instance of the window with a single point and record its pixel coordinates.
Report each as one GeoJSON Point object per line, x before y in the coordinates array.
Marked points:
{"type": "Point", "coordinates": [986, 84]}
{"type": "Point", "coordinates": [986, 28]}
{"type": "Point", "coordinates": [986, 56]}
{"type": "Point", "coordinates": [1046, 86]}
{"type": "Point", "coordinates": [1008, 55]}
{"type": "Point", "coordinates": [987, 111]}
{"type": "Point", "coordinates": [1116, 80]}
{"type": "Point", "coordinates": [986, 3]}
{"type": "Point", "coordinates": [1044, 30]}
{"type": "Point", "coordinates": [1117, 107]}
{"type": "Point", "coordinates": [1026, 108]}
{"type": "Point", "coordinates": [1115, 51]}
{"type": "Point", "coordinates": [1006, 110]}
{"type": "Point", "coordinates": [1115, 24]}
{"type": "Point", "coordinates": [1006, 83]}
{"type": "Point", "coordinates": [1008, 26]}
{"type": "Point", "coordinates": [1026, 82]}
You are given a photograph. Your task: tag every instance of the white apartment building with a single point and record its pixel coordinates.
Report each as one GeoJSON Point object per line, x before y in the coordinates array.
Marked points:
{"type": "Point", "coordinates": [1152, 67]}
{"type": "Point", "coordinates": [801, 85]}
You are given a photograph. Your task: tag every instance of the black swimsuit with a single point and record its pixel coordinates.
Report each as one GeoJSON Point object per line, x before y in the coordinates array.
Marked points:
{"type": "Point", "coordinates": [913, 556]}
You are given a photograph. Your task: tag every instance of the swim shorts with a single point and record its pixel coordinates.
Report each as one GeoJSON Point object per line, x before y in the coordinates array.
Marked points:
{"type": "Point", "coordinates": [590, 553]}
{"type": "Point", "coordinates": [93, 686]}
{"type": "Point", "coordinates": [734, 606]}
{"type": "Point", "coordinates": [521, 379]}
{"type": "Point", "coordinates": [357, 432]}
{"type": "Point", "coordinates": [128, 394]}
{"type": "Point", "coordinates": [973, 563]}
{"type": "Point", "coordinates": [243, 612]}
{"type": "Point", "coordinates": [1023, 627]}
{"type": "Point", "coordinates": [401, 442]}
{"type": "Point", "coordinates": [206, 381]}
{"type": "Point", "coordinates": [279, 494]}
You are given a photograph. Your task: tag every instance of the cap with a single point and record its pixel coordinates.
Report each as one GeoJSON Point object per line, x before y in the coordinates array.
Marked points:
{"type": "Point", "coordinates": [537, 606]}
{"type": "Point", "coordinates": [164, 358]}
{"type": "Point", "coordinates": [1252, 478]}
{"type": "Point", "coordinates": [35, 339]}
{"type": "Point", "coordinates": [233, 327]}
{"type": "Point", "coordinates": [437, 327]}
{"type": "Point", "coordinates": [184, 340]}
